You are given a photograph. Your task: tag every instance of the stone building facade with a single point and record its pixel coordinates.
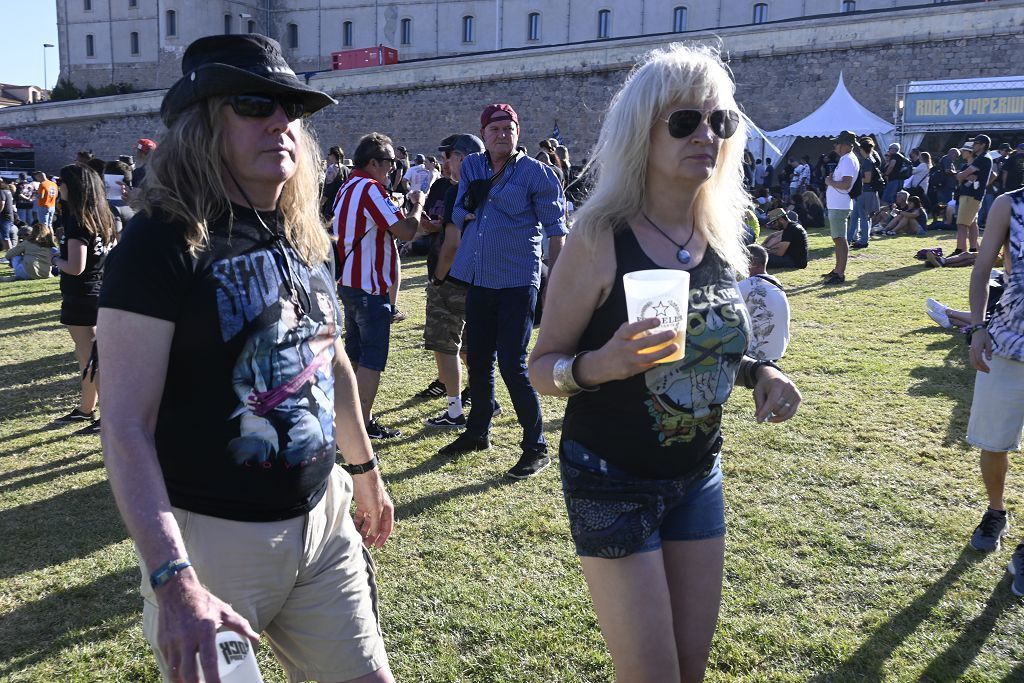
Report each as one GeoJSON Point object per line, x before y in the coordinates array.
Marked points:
{"type": "Point", "coordinates": [781, 76]}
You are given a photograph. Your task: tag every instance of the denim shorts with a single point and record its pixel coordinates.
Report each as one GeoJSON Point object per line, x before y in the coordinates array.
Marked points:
{"type": "Point", "coordinates": [613, 514]}
{"type": "Point", "coordinates": [367, 327]}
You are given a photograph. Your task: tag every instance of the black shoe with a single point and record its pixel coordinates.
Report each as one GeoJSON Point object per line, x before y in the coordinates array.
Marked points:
{"type": "Point", "coordinates": [467, 400]}
{"type": "Point", "coordinates": [435, 389]}
{"type": "Point", "coordinates": [466, 443]}
{"type": "Point", "coordinates": [89, 429]}
{"type": "Point", "coordinates": [858, 245]}
{"type": "Point", "coordinates": [956, 251]}
{"type": "Point", "coordinates": [76, 415]}
{"type": "Point", "coordinates": [828, 274]}
{"type": "Point", "coordinates": [835, 279]}
{"type": "Point", "coordinates": [446, 421]}
{"type": "Point", "coordinates": [375, 430]}
{"type": "Point", "coordinates": [530, 464]}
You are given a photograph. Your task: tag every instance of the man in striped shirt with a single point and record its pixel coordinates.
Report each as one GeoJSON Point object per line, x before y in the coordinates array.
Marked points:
{"type": "Point", "coordinates": [366, 223]}
{"type": "Point", "coordinates": [506, 204]}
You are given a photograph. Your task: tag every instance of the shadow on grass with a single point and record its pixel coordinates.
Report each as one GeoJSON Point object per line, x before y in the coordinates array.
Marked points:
{"type": "Point", "coordinates": [416, 506]}
{"type": "Point", "coordinates": [16, 299]}
{"type": "Point", "coordinates": [948, 380]}
{"type": "Point", "coordinates": [866, 663]}
{"type": "Point", "coordinates": [41, 629]}
{"type": "Point", "coordinates": [60, 433]}
{"type": "Point", "coordinates": [47, 466]}
{"type": "Point", "coordinates": [16, 321]}
{"type": "Point", "coordinates": [951, 664]}
{"type": "Point", "coordinates": [65, 527]}
{"type": "Point", "coordinates": [39, 369]}
{"type": "Point", "coordinates": [50, 476]}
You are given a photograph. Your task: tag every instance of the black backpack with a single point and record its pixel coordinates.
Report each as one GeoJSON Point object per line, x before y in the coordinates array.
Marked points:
{"type": "Point", "coordinates": [858, 181]}
{"type": "Point", "coordinates": [905, 168]}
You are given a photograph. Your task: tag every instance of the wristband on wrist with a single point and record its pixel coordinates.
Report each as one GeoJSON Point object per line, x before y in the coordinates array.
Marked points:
{"type": "Point", "coordinates": [168, 571]}
{"type": "Point", "coordinates": [971, 329]}
{"type": "Point", "coordinates": [749, 368]}
{"type": "Point", "coordinates": [362, 467]}
{"type": "Point", "coordinates": [564, 375]}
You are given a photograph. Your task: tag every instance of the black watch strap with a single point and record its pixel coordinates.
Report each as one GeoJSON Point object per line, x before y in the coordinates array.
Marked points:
{"type": "Point", "coordinates": [362, 467]}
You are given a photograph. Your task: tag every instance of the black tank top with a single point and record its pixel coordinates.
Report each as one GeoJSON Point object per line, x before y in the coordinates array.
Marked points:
{"type": "Point", "coordinates": [666, 422]}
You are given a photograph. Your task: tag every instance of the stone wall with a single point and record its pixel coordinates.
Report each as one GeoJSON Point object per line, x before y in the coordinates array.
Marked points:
{"type": "Point", "coordinates": [781, 76]}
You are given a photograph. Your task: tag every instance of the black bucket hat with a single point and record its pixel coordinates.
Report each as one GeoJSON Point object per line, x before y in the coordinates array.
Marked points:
{"type": "Point", "coordinates": [236, 65]}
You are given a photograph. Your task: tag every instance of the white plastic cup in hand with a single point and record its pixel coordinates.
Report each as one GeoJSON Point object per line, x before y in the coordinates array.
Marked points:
{"type": "Point", "coordinates": [662, 294]}
{"type": "Point", "coordinates": [236, 660]}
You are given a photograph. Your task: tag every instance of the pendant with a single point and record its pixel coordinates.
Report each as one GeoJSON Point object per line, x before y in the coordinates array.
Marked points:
{"type": "Point", "coordinates": [683, 256]}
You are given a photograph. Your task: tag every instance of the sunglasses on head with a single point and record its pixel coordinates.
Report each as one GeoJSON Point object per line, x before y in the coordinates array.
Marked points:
{"type": "Point", "coordinates": [684, 122]}
{"type": "Point", "coordinates": [263, 106]}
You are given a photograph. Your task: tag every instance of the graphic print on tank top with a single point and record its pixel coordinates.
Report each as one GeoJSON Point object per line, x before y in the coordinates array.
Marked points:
{"type": "Point", "coordinates": [1006, 326]}
{"type": "Point", "coordinates": [686, 397]}
{"type": "Point", "coordinates": [283, 374]}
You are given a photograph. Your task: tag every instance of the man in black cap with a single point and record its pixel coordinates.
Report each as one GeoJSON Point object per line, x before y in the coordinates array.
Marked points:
{"type": "Point", "coordinates": [227, 391]}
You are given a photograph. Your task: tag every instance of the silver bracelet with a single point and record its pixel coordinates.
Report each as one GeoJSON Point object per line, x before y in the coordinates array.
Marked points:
{"type": "Point", "coordinates": [565, 379]}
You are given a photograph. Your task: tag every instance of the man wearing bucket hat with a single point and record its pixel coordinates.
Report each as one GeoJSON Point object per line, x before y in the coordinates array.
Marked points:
{"type": "Point", "coordinates": [226, 389]}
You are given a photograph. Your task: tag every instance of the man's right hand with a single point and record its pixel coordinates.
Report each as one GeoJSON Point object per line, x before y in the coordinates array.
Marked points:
{"type": "Point", "coordinates": [190, 616]}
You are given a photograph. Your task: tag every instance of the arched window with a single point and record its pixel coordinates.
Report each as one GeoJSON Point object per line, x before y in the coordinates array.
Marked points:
{"type": "Point", "coordinates": [227, 24]}
{"type": "Point", "coordinates": [533, 26]}
{"type": "Point", "coordinates": [679, 19]}
{"type": "Point", "coordinates": [90, 45]}
{"type": "Point", "coordinates": [133, 41]}
{"type": "Point", "coordinates": [346, 34]}
{"type": "Point", "coordinates": [468, 29]}
{"type": "Point", "coordinates": [760, 12]}
{"type": "Point", "coordinates": [848, 6]}
{"type": "Point", "coordinates": [171, 24]}
{"type": "Point", "coordinates": [406, 37]}
{"type": "Point", "coordinates": [604, 23]}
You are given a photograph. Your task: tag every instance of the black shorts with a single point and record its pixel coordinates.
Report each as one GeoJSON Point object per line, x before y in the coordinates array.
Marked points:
{"type": "Point", "coordinates": [79, 310]}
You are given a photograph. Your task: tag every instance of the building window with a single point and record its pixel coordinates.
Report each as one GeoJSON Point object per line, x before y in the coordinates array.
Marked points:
{"type": "Point", "coordinates": [760, 13]}
{"type": "Point", "coordinates": [604, 22]}
{"type": "Point", "coordinates": [406, 37]}
{"type": "Point", "coordinates": [251, 26]}
{"type": "Point", "coordinates": [346, 34]}
{"type": "Point", "coordinates": [172, 23]}
{"type": "Point", "coordinates": [227, 24]}
{"type": "Point", "coordinates": [293, 36]}
{"type": "Point", "coordinates": [468, 34]}
{"type": "Point", "coordinates": [132, 4]}
{"type": "Point", "coordinates": [87, 5]}
{"type": "Point", "coordinates": [134, 40]}
{"type": "Point", "coordinates": [533, 26]}
{"type": "Point", "coordinates": [90, 46]}
{"type": "Point", "coordinates": [848, 6]}
{"type": "Point", "coordinates": [679, 19]}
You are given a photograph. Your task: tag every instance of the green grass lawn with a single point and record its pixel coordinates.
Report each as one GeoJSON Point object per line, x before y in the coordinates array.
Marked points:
{"type": "Point", "coordinates": [847, 550]}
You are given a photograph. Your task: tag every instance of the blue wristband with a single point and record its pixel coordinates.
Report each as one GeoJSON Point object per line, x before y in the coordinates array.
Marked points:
{"type": "Point", "coordinates": [168, 572]}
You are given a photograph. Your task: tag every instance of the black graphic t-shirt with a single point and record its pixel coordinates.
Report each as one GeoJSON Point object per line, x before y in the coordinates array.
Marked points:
{"type": "Point", "coordinates": [245, 429]}
{"type": "Point", "coordinates": [433, 207]}
{"type": "Point", "coordinates": [86, 283]}
{"type": "Point", "coordinates": [665, 422]}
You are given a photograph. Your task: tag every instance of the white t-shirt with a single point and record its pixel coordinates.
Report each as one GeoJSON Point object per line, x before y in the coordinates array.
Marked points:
{"type": "Point", "coordinates": [846, 168]}
{"type": "Point", "coordinates": [801, 175]}
{"type": "Point", "coordinates": [769, 317]}
{"type": "Point", "coordinates": [919, 178]}
{"type": "Point", "coordinates": [420, 178]}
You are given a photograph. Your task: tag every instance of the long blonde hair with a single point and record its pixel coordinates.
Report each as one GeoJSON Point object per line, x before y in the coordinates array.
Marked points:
{"type": "Point", "coordinates": [185, 183]}
{"type": "Point", "coordinates": [686, 73]}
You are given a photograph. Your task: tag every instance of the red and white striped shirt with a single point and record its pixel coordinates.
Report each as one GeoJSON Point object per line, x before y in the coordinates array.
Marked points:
{"type": "Point", "coordinates": [366, 261]}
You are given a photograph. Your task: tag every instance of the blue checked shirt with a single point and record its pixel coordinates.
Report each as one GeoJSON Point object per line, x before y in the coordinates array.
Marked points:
{"type": "Point", "coordinates": [501, 248]}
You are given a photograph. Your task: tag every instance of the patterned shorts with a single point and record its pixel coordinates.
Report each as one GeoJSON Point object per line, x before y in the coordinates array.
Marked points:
{"type": "Point", "coordinates": [446, 317]}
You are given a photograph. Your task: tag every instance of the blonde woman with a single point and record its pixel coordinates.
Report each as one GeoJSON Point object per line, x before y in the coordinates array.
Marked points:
{"type": "Point", "coordinates": [31, 257]}
{"type": "Point", "coordinates": [641, 441]}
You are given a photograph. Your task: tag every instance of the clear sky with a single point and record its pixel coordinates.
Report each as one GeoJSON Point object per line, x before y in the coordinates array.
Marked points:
{"type": "Point", "coordinates": [27, 24]}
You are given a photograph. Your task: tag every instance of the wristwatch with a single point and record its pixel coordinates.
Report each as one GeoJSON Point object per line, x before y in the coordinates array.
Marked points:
{"type": "Point", "coordinates": [362, 467]}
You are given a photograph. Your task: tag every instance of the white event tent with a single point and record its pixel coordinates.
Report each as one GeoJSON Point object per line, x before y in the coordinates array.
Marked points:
{"type": "Point", "coordinates": [839, 112]}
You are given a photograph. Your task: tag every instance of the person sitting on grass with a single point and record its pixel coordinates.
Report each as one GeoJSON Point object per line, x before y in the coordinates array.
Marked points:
{"type": "Point", "coordinates": [908, 221]}
{"type": "Point", "coordinates": [815, 210]}
{"type": "Point", "coordinates": [30, 258]}
{"type": "Point", "coordinates": [787, 246]}
{"type": "Point", "coordinates": [887, 212]}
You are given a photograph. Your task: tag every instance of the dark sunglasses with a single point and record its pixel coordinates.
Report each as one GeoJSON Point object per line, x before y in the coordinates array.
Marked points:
{"type": "Point", "coordinates": [264, 106]}
{"type": "Point", "coordinates": [723, 122]}
{"type": "Point", "coordinates": [389, 160]}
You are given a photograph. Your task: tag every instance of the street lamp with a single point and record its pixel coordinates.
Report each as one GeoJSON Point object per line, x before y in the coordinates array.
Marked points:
{"type": "Point", "coordinates": [45, 45]}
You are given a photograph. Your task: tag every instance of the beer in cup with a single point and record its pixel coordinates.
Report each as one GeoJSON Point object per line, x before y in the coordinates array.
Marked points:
{"type": "Point", "coordinates": [236, 659]}
{"type": "Point", "coordinates": [662, 294]}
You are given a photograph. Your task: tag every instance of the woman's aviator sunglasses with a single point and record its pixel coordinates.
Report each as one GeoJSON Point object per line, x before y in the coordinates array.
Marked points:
{"type": "Point", "coordinates": [263, 106]}
{"type": "Point", "coordinates": [723, 122]}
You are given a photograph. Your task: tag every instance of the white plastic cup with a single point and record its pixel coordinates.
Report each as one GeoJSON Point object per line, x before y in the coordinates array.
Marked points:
{"type": "Point", "coordinates": [236, 660]}
{"type": "Point", "coordinates": [662, 294]}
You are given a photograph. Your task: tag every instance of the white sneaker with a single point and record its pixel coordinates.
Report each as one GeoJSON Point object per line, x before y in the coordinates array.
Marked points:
{"type": "Point", "coordinates": [940, 317]}
{"type": "Point", "coordinates": [934, 305]}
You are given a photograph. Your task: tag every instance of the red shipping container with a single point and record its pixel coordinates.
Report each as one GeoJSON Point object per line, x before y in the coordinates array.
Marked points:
{"type": "Point", "coordinates": [370, 56]}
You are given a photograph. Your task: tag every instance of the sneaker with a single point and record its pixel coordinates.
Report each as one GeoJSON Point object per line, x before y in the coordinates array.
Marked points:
{"type": "Point", "coordinates": [835, 279]}
{"type": "Point", "coordinates": [940, 317]}
{"type": "Point", "coordinates": [972, 251]}
{"type": "Point", "coordinates": [858, 245]}
{"type": "Point", "coordinates": [990, 532]}
{"type": "Point", "coordinates": [1016, 569]}
{"type": "Point", "coordinates": [466, 443]}
{"type": "Point", "coordinates": [530, 463]}
{"type": "Point", "coordinates": [828, 274]}
{"type": "Point", "coordinates": [956, 251]}
{"type": "Point", "coordinates": [497, 410]}
{"type": "Point", "coordinates": [375, 430]}
{"type": "Point", "coordinates": [446, 421]}
{"type": "Point", "coordinates": [89, 429]}
{"type": "Point", "coordinates": [934, 305]}
{"type": "Point", "coordinates": [890, 233]}
{"type": "Point", "coordinates": [76, 415]}
{"type": "Point", "coordinates": [398, 316]}
{"type": "Point", "coordinates": [435, 389]}
{"type": "Point", "coordinates": [467, 400]}
{"type": "Point", "coordinates": [4, 261]}
{"type": "Point", "coordinates": [934, 261]}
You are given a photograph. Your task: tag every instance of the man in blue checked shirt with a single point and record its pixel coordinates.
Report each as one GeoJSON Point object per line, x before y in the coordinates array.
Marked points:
{"type": "Point", "coordinates": [507, 203]}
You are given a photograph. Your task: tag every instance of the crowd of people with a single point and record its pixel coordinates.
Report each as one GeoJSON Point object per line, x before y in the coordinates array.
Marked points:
{"type": "Point", "coordinates": [250, 294]}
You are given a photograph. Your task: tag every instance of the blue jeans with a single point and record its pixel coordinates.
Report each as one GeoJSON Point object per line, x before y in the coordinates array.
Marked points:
{"type": "Point", "coordinates": [856, 217]}
{"type": "Point", "coordinates": [367, 327]}
{"type": "Point", "coordinates": [44, 215]}
{"type": "Point", "coordinates": [499, 323]}
{"type": "Point", "coordinates": [986, 204]}
{"type": "Point", "coordinates": [891, 188]}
